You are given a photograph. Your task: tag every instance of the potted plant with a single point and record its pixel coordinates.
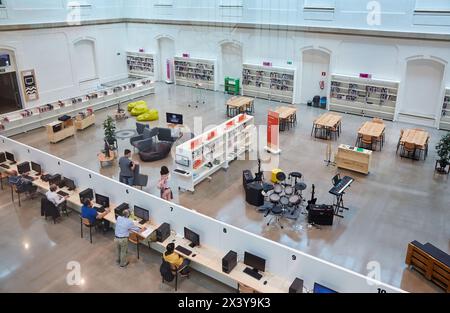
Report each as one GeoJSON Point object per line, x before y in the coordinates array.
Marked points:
{"type": "Point", "coordinates": [110, 130]}
{"type": "Point", "coordinates": [443, 151]}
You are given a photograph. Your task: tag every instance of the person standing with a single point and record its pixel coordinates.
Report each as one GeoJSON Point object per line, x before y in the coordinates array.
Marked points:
{"type": "Point", "coordinates": [123, 227]}
{"type": "Point", "coordinates": [163, 184]}
{"type": "Point", "coordinates": [127, 166]}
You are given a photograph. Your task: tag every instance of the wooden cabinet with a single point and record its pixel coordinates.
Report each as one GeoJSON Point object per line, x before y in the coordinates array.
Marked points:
{"type": "Point", "coordinates": [354, 159]}
{"type": "Point", "coordinates": [58, 130]}
{"type": "Point", "coordinates": [82, 123]}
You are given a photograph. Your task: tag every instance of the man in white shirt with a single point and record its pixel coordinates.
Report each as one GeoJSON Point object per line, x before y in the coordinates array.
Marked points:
{"type": "Point", "coordinates": [53, 197]}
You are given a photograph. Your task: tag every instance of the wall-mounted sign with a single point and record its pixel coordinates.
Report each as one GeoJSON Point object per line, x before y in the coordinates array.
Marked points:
{"type": "Point", "coordinates": [266, 63]}
{"type": "Point", "coordinates": [185, 55]}
{"type": "Point", "coordinates": [364, 75]}
{"type": "Point", "coordinates": [289, 62]}
{"type": "Point", "coordinates": [324, 74]}
{"type": "Point", "coordinates": [30, 85]}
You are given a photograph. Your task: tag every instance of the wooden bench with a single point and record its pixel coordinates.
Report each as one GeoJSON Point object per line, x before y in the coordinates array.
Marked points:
{"type": "Point", "coordinates": [433, 263]}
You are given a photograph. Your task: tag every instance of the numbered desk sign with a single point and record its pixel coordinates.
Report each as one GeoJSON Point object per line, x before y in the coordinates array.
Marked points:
{"type": "Point", "coordinates": [30, 85]}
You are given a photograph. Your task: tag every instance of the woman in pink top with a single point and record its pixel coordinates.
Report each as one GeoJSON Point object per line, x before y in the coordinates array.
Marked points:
{"type": "Point", "coordinates": [163, 184]}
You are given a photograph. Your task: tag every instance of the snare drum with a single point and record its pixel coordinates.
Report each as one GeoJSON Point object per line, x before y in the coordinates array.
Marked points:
{"type": "Point", "coordinates": [274, 198]}
{"type": "Point", "coordinates": [288, 190]}
{"type": "Point", "coordinates": [284, 200]}
{"type": "Point", "coordinates": [294, 200]}
{"type": "Point", "coordinates": [278, 188]}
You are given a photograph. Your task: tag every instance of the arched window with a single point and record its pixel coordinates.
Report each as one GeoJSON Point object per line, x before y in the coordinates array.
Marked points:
{"type": "Point", "coordinates": [85, 60]}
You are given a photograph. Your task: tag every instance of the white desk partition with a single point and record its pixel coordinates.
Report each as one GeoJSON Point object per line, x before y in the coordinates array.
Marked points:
{"type": "Point", "coordinates": [281, 260]}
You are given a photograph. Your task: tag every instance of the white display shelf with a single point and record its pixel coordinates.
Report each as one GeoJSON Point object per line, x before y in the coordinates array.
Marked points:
{"type": "Point", "coordinates": [445, 114]}
{"type": "Point", "coordinates": [140, 64]}
{"type": "Point", "coordinates": [271, 83]}
{"type": "Point", "coordinates": [202, 70]}
{"type": "Point", "coordinates": [366, 97]}
{"type": "Point", "coordinates": [215, 150]}
{"type": "Point", "coordinates": [121, 93]}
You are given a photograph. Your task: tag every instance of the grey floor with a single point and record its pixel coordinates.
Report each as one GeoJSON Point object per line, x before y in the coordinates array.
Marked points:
{"type": "Point", "coordinates": [400, 201]}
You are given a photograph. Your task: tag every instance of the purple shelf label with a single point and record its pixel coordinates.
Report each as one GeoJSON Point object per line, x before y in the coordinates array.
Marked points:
{"type": "Point", "coordinates": [267, 63]}
{"type": "Point", "coordinates": [185, 55]}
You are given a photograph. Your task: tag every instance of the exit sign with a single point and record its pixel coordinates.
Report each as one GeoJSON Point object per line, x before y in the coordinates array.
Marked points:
{"type": "Point", "coordinates": [289, 62]}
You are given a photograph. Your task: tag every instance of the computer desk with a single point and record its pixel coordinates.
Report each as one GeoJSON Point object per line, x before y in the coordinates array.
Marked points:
{"type": "Point", "coordinates": [212, 259]}
{"type": "Point", "coordinates": [205, 256]}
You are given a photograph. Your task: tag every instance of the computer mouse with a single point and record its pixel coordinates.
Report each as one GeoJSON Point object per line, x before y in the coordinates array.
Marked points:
{"type": "Point", "coordinates": [265, 282]}
{"type": "Point", "coordinates": [173, 240]}
{"type": "Point", "coordinates": [194, 255]}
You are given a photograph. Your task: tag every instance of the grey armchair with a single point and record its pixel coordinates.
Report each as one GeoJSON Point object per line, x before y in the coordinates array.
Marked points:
{"type": "Point", "coordinates": [165, 134]}
{"type": "Point", "coordinates": [145, 141]}
{"type": "Point", "coordinates": [140, 127]}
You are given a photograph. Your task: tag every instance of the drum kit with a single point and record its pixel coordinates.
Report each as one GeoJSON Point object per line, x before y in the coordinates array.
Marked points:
{"type": "Point", "coordinates": [287, 195]}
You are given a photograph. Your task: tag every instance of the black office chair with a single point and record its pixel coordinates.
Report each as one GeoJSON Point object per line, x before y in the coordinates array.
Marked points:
{"type": "Point", "coordinates": [175, 272]}
{"type": "Point", "coordinates": [49, 209]}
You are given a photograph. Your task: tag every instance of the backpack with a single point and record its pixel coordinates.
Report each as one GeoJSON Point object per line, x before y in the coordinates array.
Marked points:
{"type": "Point", "coordinates": [166, 271]}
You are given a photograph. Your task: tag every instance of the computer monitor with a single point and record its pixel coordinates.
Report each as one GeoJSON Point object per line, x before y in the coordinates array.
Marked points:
{"type": "Point", "coordinates": [2, 157]}
{"type": "Point", "coordinates": [36, 167]}
{"type": "Point", "coordinates": [141, 213]}
{"type": "Point", "coordinates": [86, 194]}
{"type": "Point", "coordinates": [23, 168]}
{"type": "Point", "coordinates": [257, 263]}
{"type": "Point", "coordinates": [193, 237]}
{"type": "Point", "coordinates": [10, 156]}
{"type": "Point", "coordinates": [173, 118]}
{"type": "Point", "coordinates": [70, 184]}
{"type": "Point", "coordinates": [318, 288]}
{"type": "Point", "coordinates": [102, 200]}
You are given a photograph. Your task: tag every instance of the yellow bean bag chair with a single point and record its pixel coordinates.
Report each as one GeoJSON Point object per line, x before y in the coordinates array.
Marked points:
{"type": "Point", "coordinates": [139, 109]}
{"type": "Point", "coordinates": [151, 115]}
{"type": "Point", "coordinates": [132, 105]}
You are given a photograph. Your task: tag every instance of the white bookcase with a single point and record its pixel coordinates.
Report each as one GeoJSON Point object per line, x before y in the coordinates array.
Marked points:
{"type": "Point", "coordinates": [445, 117]}
{"type": "Point", "coordinates": [205, 154]}
{"type": "Point", "coordinates": [28, 119]}
{"type": "Point", "coordinates": [272, 83]}
{"type": "Point", "coordinates": [140, 64]}
{"type": "Point", "coordinates": [367, 97]}
{"type": "Point", "coordinates": [199, 73]}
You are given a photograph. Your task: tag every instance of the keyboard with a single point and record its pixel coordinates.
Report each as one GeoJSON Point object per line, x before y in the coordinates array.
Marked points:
{"type": "Point", "coordinates": [252, 273]}
{"type": "Point", "coordinates": [340, 187]}
{"type": "Point", "coordinates": [100, 209]}
{"type": "Point", "coordinates": [62, 193]}
{"type": "Point", "coordinates": [5, 166]}
{"type": "Point", "coordinates": [27, 177]}
{"type": "Point", "coordinates": [180, 171]}
{"type": "Point", "coordinates": [183, 250]}
{"type": "Point", "coordinates": [142, 222]}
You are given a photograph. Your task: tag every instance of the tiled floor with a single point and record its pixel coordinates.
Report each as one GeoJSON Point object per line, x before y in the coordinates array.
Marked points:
{"type": "Point", "coordinates": [400, 201]}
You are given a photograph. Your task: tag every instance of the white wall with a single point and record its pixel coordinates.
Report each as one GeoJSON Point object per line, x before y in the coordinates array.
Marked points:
{"type": "Point", "coordinates": [52, 54]}
{"type": "Point", "coordinates": [314, 62]}
{"type": "Point", "coordinates": [231, 63]}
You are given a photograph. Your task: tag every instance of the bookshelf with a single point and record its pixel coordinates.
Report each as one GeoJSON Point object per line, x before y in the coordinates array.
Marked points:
{"type": "Point", "coordinates": [140, 64]}
{"type": "Point", "coordinates": [39, 116]}
{"type": "Point", "coordinates": [215, 149]}
{"type": "Point", "coordinates": [191, 72]}
{"type": "Point", "coordinates": [59, 130]}
{"type": "Point", "coordinates": [271, 83]}
{"type": "Point", "coordinates": [445, 115]}
{"type": "Point", "coordinates": [362, 96]}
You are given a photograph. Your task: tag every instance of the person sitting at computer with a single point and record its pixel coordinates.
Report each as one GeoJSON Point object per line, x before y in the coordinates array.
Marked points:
{"type": "Point", "coordinates": [94, 217]}
{"type": "Point", "coordinates": [56, 199]}
{"type": "Point", "coordinates": [22, 184]}
{"type": "Point", "coordinates": [175, 260]}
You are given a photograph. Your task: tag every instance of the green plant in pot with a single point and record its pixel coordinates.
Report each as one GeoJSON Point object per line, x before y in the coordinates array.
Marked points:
{"type": "Point", "coordinates": [443, 151]}
{"type": "Point", "coordinates": [109, 127]}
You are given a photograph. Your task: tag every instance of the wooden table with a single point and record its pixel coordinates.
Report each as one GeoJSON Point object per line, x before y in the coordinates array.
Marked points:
{"type": "Point", "coordinates": [373, 130]}
{"type": "Point", "coordinates": [58, 130]}
{"type": "Point", "coordinates": [418, 138]}
{"type": "Point", "coordinates": [287, 115]}
{"type": "Point", "coordinates": [85, 122]}
{"type": "Point", "coordinates": [327, 122]}
{"type": "Point", "coordinates": [238, 105]}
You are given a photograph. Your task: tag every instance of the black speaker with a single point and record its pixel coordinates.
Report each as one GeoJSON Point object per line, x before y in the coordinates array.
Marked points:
{"type": "Point", "coordinates": [229, 262]}
{"type": "Point", "coordinates": [321, 214]}
{"type": "Point", "coordinates": [297, 286]}
{"type": "Point", "coordinates": [163, 232]}
{"type": "Point", "coordinates": [253, 194]}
